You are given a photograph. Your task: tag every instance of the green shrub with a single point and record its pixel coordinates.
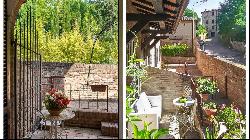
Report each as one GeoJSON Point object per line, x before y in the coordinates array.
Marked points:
{"type": "Point", "coordinates": [175, 50]}
{"type": "Point", "coordinates": [206, 86]}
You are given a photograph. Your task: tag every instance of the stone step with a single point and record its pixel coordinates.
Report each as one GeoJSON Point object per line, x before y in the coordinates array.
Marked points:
{"type": "Point", "coordinates": [109, 129]}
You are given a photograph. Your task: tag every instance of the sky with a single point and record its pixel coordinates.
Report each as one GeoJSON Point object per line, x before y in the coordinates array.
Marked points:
{"type": "Point", "coordinates": [200, 7]}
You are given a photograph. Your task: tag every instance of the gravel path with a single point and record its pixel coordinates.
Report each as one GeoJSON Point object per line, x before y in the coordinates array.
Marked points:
{"type": "Point", "coordinates": [215, 47]}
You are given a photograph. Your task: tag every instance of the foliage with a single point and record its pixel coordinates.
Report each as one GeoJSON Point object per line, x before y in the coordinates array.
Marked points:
{"type": "Point", "coordinates": [206, 86]}
{"type": "Point", "coordinates": [55, 99]}
{"type": "Point", "coordinates": [232, 20]}
{"type": "Point", "coordinates": [175, 49]}
{"type": "Point", "coordinates": [67, 29]}
{"type": "Point", "coordinates": [210, 105]}
{"type": "Point", "coordinates": [183, 99]}
{"type": "Point", "coordinates": [232, 117]}
{"type": "Point", "coordinates": [191, 13]}
{"type": "Point", "coordinates": [145, 133]}
{"type": "Point", "coordinates": [210, 134]}
{"type": "Point", "coordinates": [234, 121]}
{"type": "Point", "coordinates": [201, 30]}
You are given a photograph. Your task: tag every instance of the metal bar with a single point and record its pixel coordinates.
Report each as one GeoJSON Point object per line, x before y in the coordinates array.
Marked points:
{"type": "Point", "coordinates": [30, 78]}
{"type": "Point", "coordinates": [107, 98]}
{"type": "Point", "coordinates": [20, 82]}
{"type": "Point", "coordinates": [97, 101]}
{"type": "Point", "coordinates": [40, 94]}
{"type": "Point", "coordinates": [27, 57]}
{"type": "Point", "coordinates": [34, 61]}
{"type": "Point", "coordinates": [24, 46]}
{"type": "Point", "coordinates": [15, 83]}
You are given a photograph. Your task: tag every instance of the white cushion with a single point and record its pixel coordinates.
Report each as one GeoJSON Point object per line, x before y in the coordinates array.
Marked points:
{"type": "Point", "coordinates": [143, 104]}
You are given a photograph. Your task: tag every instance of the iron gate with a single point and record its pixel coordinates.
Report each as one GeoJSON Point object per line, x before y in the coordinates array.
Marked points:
{"type": "Point", "coordinates": [27, 77]}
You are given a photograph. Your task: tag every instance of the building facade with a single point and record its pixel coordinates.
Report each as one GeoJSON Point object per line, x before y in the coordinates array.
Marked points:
{"type": "Point", "coordinates": [209, 19]}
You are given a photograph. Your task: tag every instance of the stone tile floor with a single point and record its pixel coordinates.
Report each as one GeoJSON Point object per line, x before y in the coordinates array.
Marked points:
{"type": "Point", "coordinates": [74, 133]}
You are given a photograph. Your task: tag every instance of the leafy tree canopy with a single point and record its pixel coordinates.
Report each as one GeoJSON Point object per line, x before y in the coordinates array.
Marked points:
{"type": "Point", "coordinates": [191, 13]}
{"type": "Point", "coordinates": [232, 20]}
{"type": "Point", "coordinates": [67, 29]}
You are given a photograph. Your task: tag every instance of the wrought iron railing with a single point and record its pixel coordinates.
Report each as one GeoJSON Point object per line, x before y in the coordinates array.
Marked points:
{"type": "Point", "coordinates": [26, 97]}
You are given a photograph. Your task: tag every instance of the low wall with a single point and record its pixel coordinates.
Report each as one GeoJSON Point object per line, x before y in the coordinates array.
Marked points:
{"type": "Point", "coordinates": [239, 46]}
{"type": "Point", "coordinates": [231, 77]}
{"type": "Point", "coordinates": [76, 77]}
{"type": "Point", "coordinates": [177, 60]}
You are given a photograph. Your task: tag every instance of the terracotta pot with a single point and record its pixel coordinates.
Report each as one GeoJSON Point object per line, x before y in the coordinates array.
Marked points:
{"type": "Point", "coordinates": [99, 88]}
{"type": "Point", "coordinates": [210, 112]}
{"type": "Point", "coordinates": [55, 112]}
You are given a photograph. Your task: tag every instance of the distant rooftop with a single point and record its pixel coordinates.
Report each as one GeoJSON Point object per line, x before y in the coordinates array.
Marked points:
{"type": "Point", "coordinates": [187, 18]}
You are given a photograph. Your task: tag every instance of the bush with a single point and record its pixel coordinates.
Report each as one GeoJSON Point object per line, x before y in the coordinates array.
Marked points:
{"type": "Point", "coordinates": [175, 50]}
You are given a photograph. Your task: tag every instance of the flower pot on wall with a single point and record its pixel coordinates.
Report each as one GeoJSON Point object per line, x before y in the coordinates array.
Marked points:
{"type": "Point", "coordinates": [98, 88]}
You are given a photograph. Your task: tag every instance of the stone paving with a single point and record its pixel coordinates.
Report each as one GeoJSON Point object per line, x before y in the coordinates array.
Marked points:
{"type": "Point", "coordinates": [169, 120]}
{"type": "Point", "coordinates": [82, 133]}
{"type": "Point", "coordinates": [74, 133]}
{"type": "Point", "coordinates": [215, 47]}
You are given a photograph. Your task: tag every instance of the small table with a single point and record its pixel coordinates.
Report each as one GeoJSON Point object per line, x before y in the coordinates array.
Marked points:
{"type": "Point", "coordinates": [55, 120]}
{"type": "Point", "coordinates": [185, 114]}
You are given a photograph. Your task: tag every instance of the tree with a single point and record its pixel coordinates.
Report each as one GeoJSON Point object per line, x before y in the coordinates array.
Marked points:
{"type": "Point", "coordinates": [191, 13]}
{"type": "Point", "coordinates": [67, 29]}
{"type": "Point", "coordinates": [232, 20]}
{"type": "Point", "coordinates": [201, 30]}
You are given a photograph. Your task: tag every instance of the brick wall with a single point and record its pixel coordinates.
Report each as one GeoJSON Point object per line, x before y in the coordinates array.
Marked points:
{"type": "Point", "coordinates": [76, 74]}
{"type": "Point", "coordinates": [231, 77]}
{"type": "Point", "coordinates": [165, 83]}
{"type": "Point", "coordinates": [177, 60]}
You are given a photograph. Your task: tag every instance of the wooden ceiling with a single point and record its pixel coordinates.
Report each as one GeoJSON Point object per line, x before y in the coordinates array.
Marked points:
{"type": "Point", "coordinates": [159, 15]}
{"type": "Point", "coordinates": [169, 7]}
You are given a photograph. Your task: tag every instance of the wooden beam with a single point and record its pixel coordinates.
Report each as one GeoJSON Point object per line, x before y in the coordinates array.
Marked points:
{"type": "Point", "coordinates": [147, 40]}
{"type": "Point", "coordinates": [170, 3]}
{"type": "Point", "coordinates": [154, 43]}
{"type": "Point", "coordinates": [162, 37]}
{"type": "Point", "coordinates": [149, 17]}
{"type": "Point", "coordinates": [170, 11]}
{"type": "Point", "coordinates": [155, 31]}
{"type": "Point", "coordinates": [144, 11]}
{"type": "Point", "coordinates": [145, 2]}
{"type": "Point", "coordinates": [135, 29]}
{"type": "Point", "coordinates": [157, 5]}
{"type": "Point", "coordinates": [143, 7]}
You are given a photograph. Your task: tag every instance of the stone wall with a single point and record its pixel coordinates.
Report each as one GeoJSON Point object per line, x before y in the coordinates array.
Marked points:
{"type": "Point", "coordinates": [76, 77]}
{"type": "Point", "coordinates": [231, 77]}
{"type": "Point", "coordinates": [165, 83]}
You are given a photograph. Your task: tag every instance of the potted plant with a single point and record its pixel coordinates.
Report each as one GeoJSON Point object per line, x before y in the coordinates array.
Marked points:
{"type": "Point", "coordinates": [205, 87]}
{"type": "Point", "coordinates": [210, 108]}
{"type": "Point", "coordinates": [55, 101]}
{"type": "Point", "coordinates": [182, 99]}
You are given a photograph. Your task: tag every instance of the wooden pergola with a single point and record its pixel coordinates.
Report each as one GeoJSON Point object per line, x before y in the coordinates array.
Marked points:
{"type": "Point", "coordinates": [161, 16]}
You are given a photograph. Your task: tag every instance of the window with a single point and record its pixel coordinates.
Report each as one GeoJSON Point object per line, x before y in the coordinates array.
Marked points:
{"type": "Point", "coordinates": [212, 13]}
{"type": "Point", "coordinates": [207, 22]}
{"type": "Point", "coordinates": [212, 21]}
{"type": "Point", "coordinates": [212, 27]}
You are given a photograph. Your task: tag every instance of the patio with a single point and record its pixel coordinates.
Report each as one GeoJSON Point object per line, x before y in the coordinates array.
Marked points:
{"type": "Point", "coordinates": [156, 83]}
